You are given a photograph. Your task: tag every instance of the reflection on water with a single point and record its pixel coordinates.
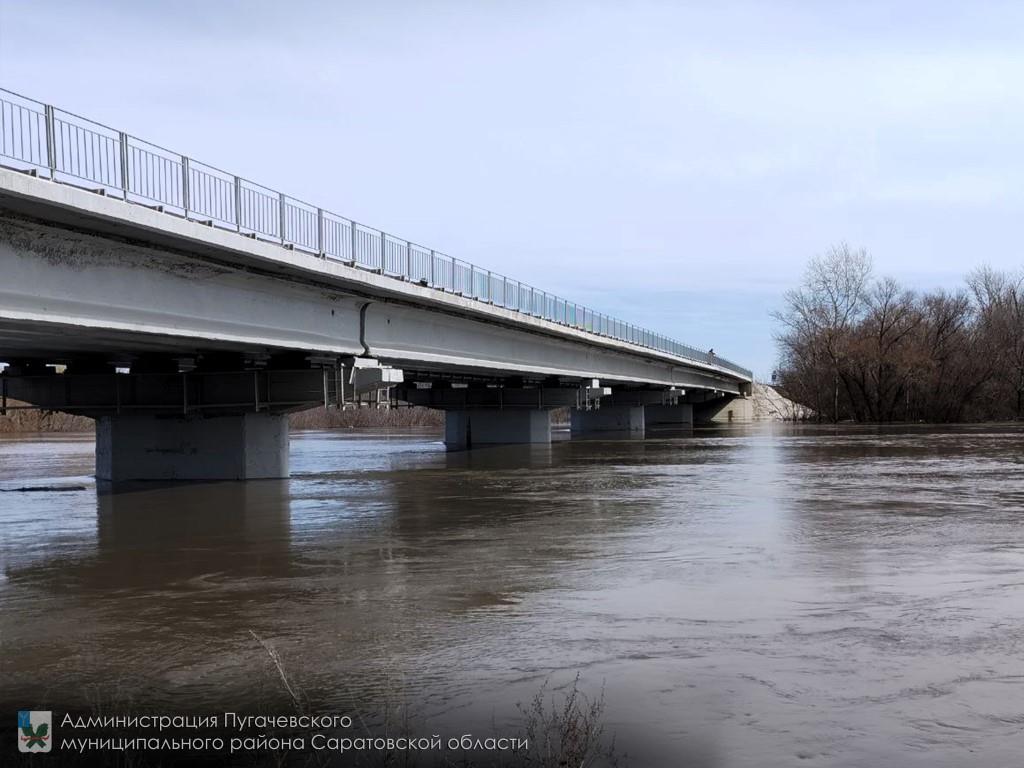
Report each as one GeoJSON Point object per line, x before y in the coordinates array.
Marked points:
{"type": "Point", "coordinates": [748, 598]}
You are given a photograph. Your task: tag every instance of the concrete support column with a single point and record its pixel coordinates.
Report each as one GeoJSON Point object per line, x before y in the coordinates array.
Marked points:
{"type": "Point", "coordinates": [609, 418]}
{"type": "Point", "coordinates": [672, 416]}
{"type": "Point", "coordinates": [162, 447]}
{"type": "Point", "coordinates": [471, 428]}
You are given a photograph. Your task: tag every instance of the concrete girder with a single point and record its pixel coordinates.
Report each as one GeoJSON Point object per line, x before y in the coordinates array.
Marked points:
{"type": "Point", "coordinates": [410, 338]}
{"type": "Point", "coordinates": [202, 287]}
{"type": "Point", "coordinates": [55, 279]}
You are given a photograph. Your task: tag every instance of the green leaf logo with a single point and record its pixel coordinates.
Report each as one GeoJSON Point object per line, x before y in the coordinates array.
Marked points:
{"type": "Point", "coordinates": [35, 737]}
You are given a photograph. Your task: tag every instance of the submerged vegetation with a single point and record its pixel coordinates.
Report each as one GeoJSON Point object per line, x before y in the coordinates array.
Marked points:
{"type": "Point", "coordinates": [858, 347]}
{"type": "Point", "coordinates": [563, 728]}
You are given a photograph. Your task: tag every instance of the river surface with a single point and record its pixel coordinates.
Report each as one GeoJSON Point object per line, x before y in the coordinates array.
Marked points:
{"type": "Point", "coordinates": [764, 597]}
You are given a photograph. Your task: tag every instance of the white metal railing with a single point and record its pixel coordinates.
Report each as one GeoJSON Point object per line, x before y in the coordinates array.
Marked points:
{"type": "Point", "coordinates": [66, 147]}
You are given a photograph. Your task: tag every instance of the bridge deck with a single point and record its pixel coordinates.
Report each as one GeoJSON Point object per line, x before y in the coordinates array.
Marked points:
{"type": "Point", "coordinates": [65, 147]}
{"type": "Point", "coordinates": [86, 272]}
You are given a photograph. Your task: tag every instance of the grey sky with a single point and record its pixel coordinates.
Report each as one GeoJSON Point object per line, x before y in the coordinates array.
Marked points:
{"type": "Point", "coordinates": [674, 164]}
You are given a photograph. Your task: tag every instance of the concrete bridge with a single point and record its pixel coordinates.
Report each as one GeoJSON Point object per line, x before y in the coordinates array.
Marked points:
{"type": "Point", "coordinates": [189, 310]}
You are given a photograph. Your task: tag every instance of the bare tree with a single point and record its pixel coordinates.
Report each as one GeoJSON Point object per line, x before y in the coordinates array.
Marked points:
{"type": "Point", "coordinates": [853, 347]}
{"type": "Point", "coordinates": [829, 303]}
{"type": "Point", "coordinates": [1000, 301]}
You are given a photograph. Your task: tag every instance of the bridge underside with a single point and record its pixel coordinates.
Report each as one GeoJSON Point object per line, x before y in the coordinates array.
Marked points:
{"type": "Point", "coordinates": [190, 353]}
{"type": "Point", "coordinates": [172, 419]}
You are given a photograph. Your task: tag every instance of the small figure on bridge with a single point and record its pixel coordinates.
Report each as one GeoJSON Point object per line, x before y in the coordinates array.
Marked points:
{"type": "Point", "coordinates": [711, 352]}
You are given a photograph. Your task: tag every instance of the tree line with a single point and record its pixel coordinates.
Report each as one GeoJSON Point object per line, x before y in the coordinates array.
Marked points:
{"type": "Point", "coordinates": [858, 347]}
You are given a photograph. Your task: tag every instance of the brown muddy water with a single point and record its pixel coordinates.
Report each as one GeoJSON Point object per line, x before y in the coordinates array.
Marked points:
{"type": "Point", "coordinates": [769, 597]}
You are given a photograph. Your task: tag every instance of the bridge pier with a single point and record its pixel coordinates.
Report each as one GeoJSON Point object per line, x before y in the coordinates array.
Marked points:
{"type": "Point", "coordinates": [246, 446]}
{"type": "Point", "coordinates": [161, 423]}
{"type": "Point", "coordinates": [485, 426]}
{"type": "Point", "coordinates": [624, 419]}
{"type": "Point", "coordinates": [678, 416]}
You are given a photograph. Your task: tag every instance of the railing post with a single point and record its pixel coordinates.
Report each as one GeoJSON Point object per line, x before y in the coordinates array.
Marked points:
{"type": "Point", "coordinates": [184, 184]}
{"type": "Point", "coordinates": [433, 258]}
{"type": "Point", "coordinates": [490, 298]}
{"type": "Point", "coordinates": [124, 163]}
{"type": "Point", "coordinates": [408, 261]}
{"type": "Point", "coordinates": [320, 233]}
{"type": "Point", "coordinates": [472, 282]}
{"type": "Point", "coordinates": [238, 204]}
{"type": "Point", "coordinates": [281, 224]}
{"type": "Point", "coordinates": [51, 141]}
{"type": "Point", "coordinates": [383, 251]}
{"type": "Point", "coordinates": [352, 231]}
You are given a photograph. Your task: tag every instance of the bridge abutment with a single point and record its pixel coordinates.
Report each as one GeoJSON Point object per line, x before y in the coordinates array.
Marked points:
{"type": "Point", "coordinates": [476, 427]}
{"type": "Point", "coordinates": [725, 409]}
{"type": "Point", "coordinates": [246, 446]}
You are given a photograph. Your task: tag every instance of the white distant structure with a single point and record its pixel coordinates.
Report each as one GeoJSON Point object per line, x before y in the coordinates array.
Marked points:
{"type": "Point", "coordinates": [769, 405]}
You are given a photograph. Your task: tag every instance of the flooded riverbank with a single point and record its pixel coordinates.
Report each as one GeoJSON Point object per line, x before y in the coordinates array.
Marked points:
{"type": "Point", "coordinates": [749, 597]}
